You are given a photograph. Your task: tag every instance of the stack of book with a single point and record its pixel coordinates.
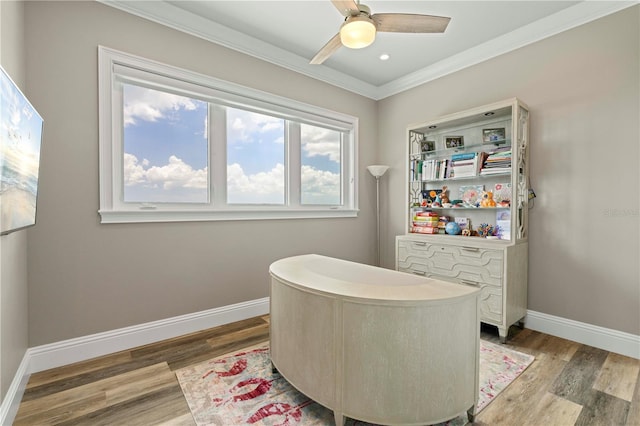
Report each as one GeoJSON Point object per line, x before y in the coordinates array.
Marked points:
{"type": "Point", "coordinates": [497, 161]}
{"type": "Point", "coordinates": [464, 165]}
{"type": "Point", "coordinates": [442, 224]}
{"type": "Point", "coordinates": [425, 223]}
{"type": "Point", "coordinates": [434, 169]}
{"type": "Point", "coordinates": [416, 169]}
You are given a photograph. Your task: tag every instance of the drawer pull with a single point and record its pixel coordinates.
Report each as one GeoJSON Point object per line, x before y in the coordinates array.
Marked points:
{"type": "Point", "coordinates": [471, 283]}
{"type": "Point", "coordinates": [474, 249]}
{"type": "Point", "coordinates": [415, 272]}
{"type": "Point", "coordinates": [419, 243]}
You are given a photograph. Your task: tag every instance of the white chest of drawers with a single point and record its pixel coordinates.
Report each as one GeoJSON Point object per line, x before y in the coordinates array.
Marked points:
{"type": "Point", "coordinates": [500, 271]}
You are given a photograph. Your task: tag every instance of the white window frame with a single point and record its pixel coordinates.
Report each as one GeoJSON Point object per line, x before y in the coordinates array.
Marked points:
{"type": "Point", "coordinates": [115, 66]}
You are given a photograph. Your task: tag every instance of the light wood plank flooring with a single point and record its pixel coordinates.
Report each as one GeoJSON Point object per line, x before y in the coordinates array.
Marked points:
{"type": "Point", "coordinates": [567, 384]}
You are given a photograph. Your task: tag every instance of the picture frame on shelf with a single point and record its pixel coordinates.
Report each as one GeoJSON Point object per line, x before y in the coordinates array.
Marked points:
{"type": "Point", "coordinates": [454, 142]}
{"type": "Point", "coordinates": [493, 135]}
{"type": "Point", "coordinates": [427, 147]}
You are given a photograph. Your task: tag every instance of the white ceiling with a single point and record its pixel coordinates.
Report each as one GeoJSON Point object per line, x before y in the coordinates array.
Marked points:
{"type": "Point", "coordinates": [289, 34]}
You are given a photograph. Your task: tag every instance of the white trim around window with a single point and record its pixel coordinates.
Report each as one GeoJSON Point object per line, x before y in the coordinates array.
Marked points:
{"type": "Point", "coordinates": [117, 68]}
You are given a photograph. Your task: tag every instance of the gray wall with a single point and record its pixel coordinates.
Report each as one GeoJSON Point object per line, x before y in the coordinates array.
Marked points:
{"type": "Point", "coordinates": [583, 90]}
{"type": "Point", "coordinates": [582, 87]}
{"type": "Point", "coordinates": [13, 247]}
{"type": "Point", "coordinates": [85, 277]}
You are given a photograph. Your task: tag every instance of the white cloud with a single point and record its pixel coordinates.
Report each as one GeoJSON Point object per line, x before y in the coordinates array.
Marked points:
{"type": "Point", "coordinates": [174, 175]}
{"type": "Point", "coordinates": [247, 126]}
{"type": "Point", "coordinates": [262, 187]}
{"type": "Point", "coordinates": [134, 173]}
{"type": "Point", "coordinates": [177, 174]}
{"type": "Point", "coordinates": [319, 186]}
{"type": "Point", "coordinates": [317, 141]}
{"type": "Point", "coordinates": [151, 105]}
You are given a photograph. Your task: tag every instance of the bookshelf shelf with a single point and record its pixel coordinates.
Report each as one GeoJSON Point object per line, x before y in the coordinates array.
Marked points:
{"type": "Point", "coordinates": [470, 208]}
{"type": "Point", "coordinates": [465, 177]}
{"type": "Point", "coordinates": [471, 157]}
{"type": "Point", "coordinates": [441, 153]}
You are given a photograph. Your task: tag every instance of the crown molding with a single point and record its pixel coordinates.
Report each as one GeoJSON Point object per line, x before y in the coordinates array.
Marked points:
{"type": "Point", "coordinates": [171, 16]}
{"type": "Point", "coordinates": [167, 14]}
{"type": "Point", "coordinates": [564, 20]}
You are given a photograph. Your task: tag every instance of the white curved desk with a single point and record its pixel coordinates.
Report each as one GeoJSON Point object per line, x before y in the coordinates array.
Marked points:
{"type": "Point", "coordinates": [374, 344]}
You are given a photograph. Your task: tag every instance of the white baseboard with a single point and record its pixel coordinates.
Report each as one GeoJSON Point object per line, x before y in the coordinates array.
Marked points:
{"type": "Point", "coordinates": [57, 354]}
{"type": "Point", "coordinates": [66, 352]}
{"type": "Point", "coordinates": [599, 337]}
{"type": "Point", "coordinates": [11, 401]}
{"type": "Point", "coordinates": [82, 348]}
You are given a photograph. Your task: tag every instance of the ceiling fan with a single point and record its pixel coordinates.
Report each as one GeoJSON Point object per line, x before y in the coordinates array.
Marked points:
{"type": "Point", "coordinates": [360, 27]}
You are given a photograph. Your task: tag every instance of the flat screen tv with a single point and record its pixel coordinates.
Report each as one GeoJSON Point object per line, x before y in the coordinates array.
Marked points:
{"type": "Point", "coordinates": [20, 141]}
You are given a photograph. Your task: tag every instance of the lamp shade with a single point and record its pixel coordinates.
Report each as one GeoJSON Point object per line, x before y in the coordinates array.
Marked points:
{"type": "Point", "coordinates": [357, 32]}
{"type": "Point", "coordinates": [377, 170]}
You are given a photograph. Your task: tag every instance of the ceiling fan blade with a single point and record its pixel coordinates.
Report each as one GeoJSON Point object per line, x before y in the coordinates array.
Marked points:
{"type": "Point", "coordinates": [409, 23]}
{"type": "Point", "coordinates": [327, 50]}
{"type": "Point", "coordinates": [346, 7]}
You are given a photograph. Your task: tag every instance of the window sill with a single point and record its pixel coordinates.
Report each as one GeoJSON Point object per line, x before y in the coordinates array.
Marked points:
{"type": "Point", "coordinates": [136, 216]}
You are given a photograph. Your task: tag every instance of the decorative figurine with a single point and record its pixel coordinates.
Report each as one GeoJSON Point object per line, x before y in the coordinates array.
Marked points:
{"type": "Point", "coordinates": [444, 195]}
{"type": "Point", "coordinates": [487, 230]}
{"type": "Point", "coordinates": [487, 199]}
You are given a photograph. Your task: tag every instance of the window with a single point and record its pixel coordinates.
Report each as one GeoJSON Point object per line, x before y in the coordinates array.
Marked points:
{"type": "Point", "coordinates": [180, 146]}
{"type": "Point", "coordinates": [255, 158]}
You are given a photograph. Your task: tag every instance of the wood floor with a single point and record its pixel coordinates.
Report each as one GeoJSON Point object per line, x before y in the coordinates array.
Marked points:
{"type": "Point", "coordinates": [567, 384]}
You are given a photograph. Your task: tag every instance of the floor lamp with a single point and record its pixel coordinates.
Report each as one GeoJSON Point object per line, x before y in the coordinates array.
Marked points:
{"type": "Point", "coordinates": [377, 171]}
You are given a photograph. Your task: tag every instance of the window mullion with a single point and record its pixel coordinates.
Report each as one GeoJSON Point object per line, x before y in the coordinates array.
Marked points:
{"type": "Point", "coordinates": [293, 163]}
{"type": "Point", "coordinates": [218, 149]}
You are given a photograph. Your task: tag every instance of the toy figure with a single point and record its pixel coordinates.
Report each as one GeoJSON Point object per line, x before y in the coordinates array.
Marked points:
{"type": "Point", "coordinates": [487, 230]}
{"type": "Point", "coordinates": [487, 199]}
{"type": "Point", "coordinates": [444, 195]}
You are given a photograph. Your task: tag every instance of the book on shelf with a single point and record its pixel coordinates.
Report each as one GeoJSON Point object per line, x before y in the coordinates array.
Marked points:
{"type": "Point", "coordinates": [466, 167]}
{"type": "Point", "coordinates": [463, 156]}
{"type": "Point", "coordinates": [503, 222]}
{"type": "Point", "coordinates": [471, 194]}
{"type": "Point", "coordinates": [434, 169]}
{"type": "Point", "coordinates": [502, 193]}
{"type": "Point", "coordinates": [426, 213]}
{"type": "Point", "coordinates": [464, 171]}
{"type": "Point", "coordinates": [419, 225]}
{"type": "Point", "coordinates": [497, 171]}
{"type": "Point", "coordinates": [425, 221]}
{"type": "Point", "coordinates": [430, 195]}
{"type": "Point", "coordinates": [463, 222]}
{"type": "Point", "coordinates": [496, 161]}
{"type": "Point", "coordinates": [424, 230]}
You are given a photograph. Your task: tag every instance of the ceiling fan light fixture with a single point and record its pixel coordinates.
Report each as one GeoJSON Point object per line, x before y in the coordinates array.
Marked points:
{"type": "Point", "coordinates": [357, 32]}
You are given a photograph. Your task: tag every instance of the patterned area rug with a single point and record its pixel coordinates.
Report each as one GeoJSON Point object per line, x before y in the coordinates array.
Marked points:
{"type": "Point", "coordinates": [240, 389]}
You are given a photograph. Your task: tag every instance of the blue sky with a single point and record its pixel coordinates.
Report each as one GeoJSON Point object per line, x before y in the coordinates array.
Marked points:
{"type": "Point", "coordinates": [166, 154]}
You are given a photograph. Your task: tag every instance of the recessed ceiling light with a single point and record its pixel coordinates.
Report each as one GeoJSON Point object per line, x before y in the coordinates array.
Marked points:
{"type": "Point", "coordinates": [384, 56]}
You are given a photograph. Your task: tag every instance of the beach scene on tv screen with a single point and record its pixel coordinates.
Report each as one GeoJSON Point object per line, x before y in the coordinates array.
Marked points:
{"type": "Point", "coordinates": [20, 139]}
